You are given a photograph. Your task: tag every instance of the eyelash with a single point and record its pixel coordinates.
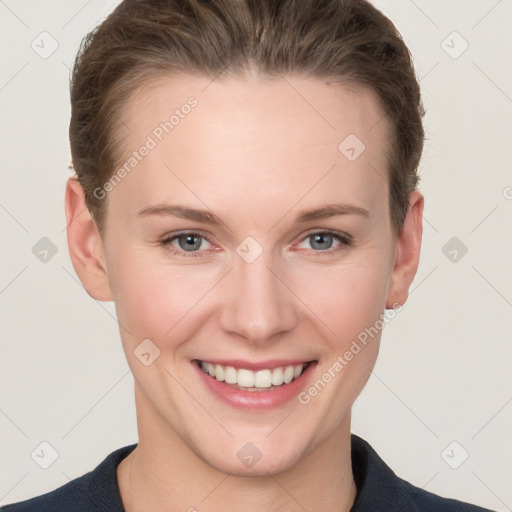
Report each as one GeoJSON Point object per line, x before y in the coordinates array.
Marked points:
{"type": "Point", "coordinates": [345, 242]}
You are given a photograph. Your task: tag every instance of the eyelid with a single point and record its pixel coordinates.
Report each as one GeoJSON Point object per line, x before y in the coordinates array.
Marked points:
{"type": "Point", "coordinates": [167, 239]}
{"type": "Point", "coordinates": [344, 238]}
{"type": "Point", "coordinates": [326, 231]}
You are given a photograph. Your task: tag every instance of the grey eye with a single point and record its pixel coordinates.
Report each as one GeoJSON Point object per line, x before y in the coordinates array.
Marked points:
{"type": "Point", "coordinates": [321, 241]}
{"type": "Point", "coordinates": [190, 242]}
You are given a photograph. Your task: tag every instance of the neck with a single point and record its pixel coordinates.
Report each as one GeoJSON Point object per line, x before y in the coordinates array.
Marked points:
{"type": "Point", "coordinates": [164, 475]}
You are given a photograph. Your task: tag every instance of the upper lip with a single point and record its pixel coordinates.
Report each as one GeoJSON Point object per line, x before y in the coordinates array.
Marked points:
{"type": "Point", "coordinates": [269, 364]}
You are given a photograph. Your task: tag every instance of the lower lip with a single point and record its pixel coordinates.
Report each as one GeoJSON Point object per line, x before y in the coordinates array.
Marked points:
{"type": "Point", "coordinates": [256, 400]}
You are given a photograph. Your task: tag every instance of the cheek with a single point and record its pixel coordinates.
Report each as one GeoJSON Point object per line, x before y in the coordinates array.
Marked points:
{"type": "Point", "coordinates": [167, 302]}
{"type": "Point", "coordinates": [346, 299]}
{"type": "Point", "coordinates": [154, 300]}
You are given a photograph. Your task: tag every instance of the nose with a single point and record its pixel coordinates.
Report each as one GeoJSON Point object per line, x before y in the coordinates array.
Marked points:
{"type": "Point", "coordinates": [258, 305]}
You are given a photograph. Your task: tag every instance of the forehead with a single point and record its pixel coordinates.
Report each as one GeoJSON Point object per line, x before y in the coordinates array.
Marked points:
{"type": "Point", "coordinates": [312, 106]}
{"type": "Point", "coordinates": [262, 134]}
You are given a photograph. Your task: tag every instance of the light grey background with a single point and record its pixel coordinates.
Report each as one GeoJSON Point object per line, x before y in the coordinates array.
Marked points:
{"type": "Point", "coordinates": [444, 372]}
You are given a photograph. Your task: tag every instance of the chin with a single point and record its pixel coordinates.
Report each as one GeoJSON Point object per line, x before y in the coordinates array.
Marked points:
{"type": "Point", "coordinates": [262, 468]}
{"type": "Point", "coordinates": [247, 460]}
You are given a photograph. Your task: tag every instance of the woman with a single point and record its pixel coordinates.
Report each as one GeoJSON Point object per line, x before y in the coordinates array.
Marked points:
{"type": "Point", "coordinates": [246, 195]}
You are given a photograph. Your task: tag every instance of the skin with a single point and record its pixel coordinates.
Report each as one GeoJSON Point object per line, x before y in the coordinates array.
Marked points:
{"type": "Point", "coordinates": [255, 153]}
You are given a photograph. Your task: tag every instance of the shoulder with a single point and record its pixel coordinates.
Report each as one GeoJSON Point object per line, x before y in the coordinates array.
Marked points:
{"type": "Point", "coordinates": [94, 491]}
{"type": "Point", "coordinates": [380, 490]}
{"type": "Point", "coordinates": [429, 502]}
{"type": "Point", "coordinates": [71, 496]}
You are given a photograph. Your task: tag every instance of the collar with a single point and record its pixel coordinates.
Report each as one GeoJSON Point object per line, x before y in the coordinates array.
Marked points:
{"type": "Point", "coordinates": [378, 488]}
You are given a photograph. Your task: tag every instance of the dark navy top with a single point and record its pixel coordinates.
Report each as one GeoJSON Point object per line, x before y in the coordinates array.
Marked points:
{"type": "Point", "coordinates": [378, 489]}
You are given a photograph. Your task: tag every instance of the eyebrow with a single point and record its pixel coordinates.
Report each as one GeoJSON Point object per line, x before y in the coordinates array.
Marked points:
{"type": "Point", "coordinates": [206, 217]}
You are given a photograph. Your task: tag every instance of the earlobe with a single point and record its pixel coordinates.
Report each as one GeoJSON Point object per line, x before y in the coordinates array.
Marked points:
{"type": "Point", "coordinates": [408, 246]}
{"type": "Point", "coordinates": [85, 245]}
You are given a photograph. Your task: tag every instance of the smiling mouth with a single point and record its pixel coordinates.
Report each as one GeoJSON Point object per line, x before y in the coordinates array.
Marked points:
{"type": "Point", "coordinates": [248, 380]}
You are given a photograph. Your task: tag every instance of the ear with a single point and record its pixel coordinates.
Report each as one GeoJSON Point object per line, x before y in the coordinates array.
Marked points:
{"type": "Point", "coordinates": [85, 244]}
{"type": "Point", "coordinates": [408, 245]}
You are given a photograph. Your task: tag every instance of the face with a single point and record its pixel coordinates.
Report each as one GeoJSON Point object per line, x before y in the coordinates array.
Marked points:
{"type": "Point", "coordinates": [251, 243]}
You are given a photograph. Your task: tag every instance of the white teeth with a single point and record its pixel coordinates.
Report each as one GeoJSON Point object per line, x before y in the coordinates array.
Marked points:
{"type": "Point", "coordinates": [260, 379]}
{"type": "Point", "coordinates": [277, 376]}
{"type": "Point", "coordinates": [230, 375]}
{"type": "Point", "coordinates": [219, 372]}
{"type": "Point", "coordinates": [263, 379]}
{"type": "Point", "coordinates": [288, 374]}
{"type": "Point", "coordinates": [245, 378]}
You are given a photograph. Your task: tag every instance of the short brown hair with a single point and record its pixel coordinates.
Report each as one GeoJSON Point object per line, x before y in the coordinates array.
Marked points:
{"type": "Point", "coordinates": [347, 41]}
